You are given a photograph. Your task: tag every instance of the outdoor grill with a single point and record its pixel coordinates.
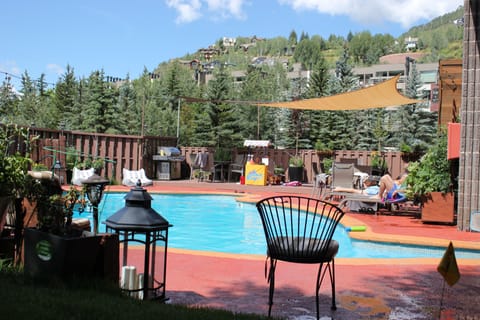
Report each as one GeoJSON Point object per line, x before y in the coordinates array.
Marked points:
{"type": "Point", "coordinates": [168, 163]}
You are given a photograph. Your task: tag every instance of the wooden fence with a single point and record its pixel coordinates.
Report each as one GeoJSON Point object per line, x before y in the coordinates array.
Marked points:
{"type": "Point", "coordinates": [135, 152]}
{"type": "Point", "coordinates": [118, 151]}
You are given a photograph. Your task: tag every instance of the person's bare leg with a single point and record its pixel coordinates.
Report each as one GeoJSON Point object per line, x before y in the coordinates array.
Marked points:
{"type": "Point", "coordinates": [386, 183]}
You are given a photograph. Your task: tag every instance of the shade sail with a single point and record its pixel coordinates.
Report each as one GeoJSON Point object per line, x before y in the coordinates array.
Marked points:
{"type": "Point", "coordinates": [382, 95]}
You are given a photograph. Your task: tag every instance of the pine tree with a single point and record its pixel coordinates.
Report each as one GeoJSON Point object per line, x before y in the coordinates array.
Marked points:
{"type": "Point", "coordinates": [416, 127]}
{"type": "Point", "coordinates": [65, 99]}
{"type": "Point", "coordinates": [100, 113]}
{"type": "Point", "coordinates": [8, 101]}
{"type": "Point", "coordinates": [127, 109]}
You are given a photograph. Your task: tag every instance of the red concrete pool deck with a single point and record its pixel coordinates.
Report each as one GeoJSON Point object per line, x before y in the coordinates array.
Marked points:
{"type": "Point", "coordinates": [366, 288]}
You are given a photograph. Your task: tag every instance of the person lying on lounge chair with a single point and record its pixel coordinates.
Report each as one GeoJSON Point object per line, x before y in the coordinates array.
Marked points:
{"type": "Point", "coordinates": [390, 190]}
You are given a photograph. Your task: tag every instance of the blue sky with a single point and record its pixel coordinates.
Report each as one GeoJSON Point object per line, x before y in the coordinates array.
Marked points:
{"type": "Point", "coordinates": [124, 37]}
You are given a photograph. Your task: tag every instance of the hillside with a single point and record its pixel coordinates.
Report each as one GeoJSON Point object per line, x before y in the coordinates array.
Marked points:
{"type": "Point", "coordinates": [441, 38]}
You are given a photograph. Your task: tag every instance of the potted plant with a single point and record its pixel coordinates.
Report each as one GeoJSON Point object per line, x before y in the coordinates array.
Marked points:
{"type": "Point", "coordinates": [322, 149]}
{"type": "Point", "coordinates": [295, 168]}
{"type": "Point", "coordinates": [97, 164]}
{"type": "Point", "coordinates": [429, 180]}
{"type": "Point", "coordinates": [54, 248]}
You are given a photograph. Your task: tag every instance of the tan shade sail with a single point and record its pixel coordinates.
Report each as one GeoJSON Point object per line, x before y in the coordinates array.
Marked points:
{"type": "Point", "coordinates": [382, 95]}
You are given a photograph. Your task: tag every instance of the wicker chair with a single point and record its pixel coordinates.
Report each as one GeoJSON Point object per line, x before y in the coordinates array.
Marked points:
{"type": "Point", "coordinates": [295, 234]}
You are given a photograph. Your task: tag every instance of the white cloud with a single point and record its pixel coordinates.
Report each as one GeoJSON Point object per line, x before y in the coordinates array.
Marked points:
{"type": "Point", "coordinates": [404, 12]}
{"type": "Point", "coordinates": [188, 10]}
{"type": "Point", "coordinates": [227, 8]}
{"type": "Point", "coordinates": [55, 68]}
{"type": "Point", "coordinates": [191, 10]}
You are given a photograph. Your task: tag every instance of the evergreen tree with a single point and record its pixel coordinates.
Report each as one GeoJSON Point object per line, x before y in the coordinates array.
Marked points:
{"type": "Point", "coordinates": [127, 109]}
{"type": "Point", "coordinates": [292, 39]}
{"type": "Point", "coordinates": [318, 87]}
{"type": "Point", "coordinates": [65, 101]}
{"type": "Point", "coordinates": [415, 127]}
{"type": "Point", "coordinates": [100, 112]}
{"type": "Point", "coordinates": [344, 80]}
{"type": "Point", "coordinates": [226, 125]}
{"type": "Point", "coordinates": [342, 134]}
{"type": "Point", "coordinates": [8, 101]}
{"type": "Point", "coordinates": [29, 102]}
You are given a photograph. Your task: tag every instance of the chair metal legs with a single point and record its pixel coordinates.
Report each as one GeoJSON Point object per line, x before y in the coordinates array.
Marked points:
{"type": "Point", "coordinates": [271, 280]}
{"type": "Point", "coordinates": [329, 266]}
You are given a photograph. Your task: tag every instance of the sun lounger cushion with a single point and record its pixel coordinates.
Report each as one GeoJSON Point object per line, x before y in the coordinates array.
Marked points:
{"type": "Point", "coordinates": [78, 175]}
{"type": "Point", "coordinates": [131, 177]}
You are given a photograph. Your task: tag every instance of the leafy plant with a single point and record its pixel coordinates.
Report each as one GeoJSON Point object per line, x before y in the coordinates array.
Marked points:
{"type": "Point", "coordinates": [88, 163]}
{"type": "Point", "coordinates": [377, 161]}
{"type": "Point", "coordinates": [322, 147]}
{"type": "Point", "coordinates": [327, 164]}
{"type": "Point", "coordinates": [54, 209]}
{"type": "Point", "coordinates": [13, 165]}
{"type": "Point", "coordinates": [278, 170]}
{"type": "Point", "coordinates": [295, 161]}
{"type": "Point", "coordinates": [432, 172]}
{"type": "Point", "coordinates": [405, 147]}
{"type": "Point", "coordinates": [98, 163]}
{"type": "Point", "coordinates": [71, 157]}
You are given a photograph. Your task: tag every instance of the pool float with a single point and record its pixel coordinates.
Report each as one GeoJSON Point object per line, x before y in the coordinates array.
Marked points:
{"type": "Point", "coordinates": [356, 228]}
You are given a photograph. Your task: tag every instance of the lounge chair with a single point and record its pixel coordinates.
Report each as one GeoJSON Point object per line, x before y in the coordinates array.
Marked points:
{"type": "Point", "coordinates": [80, 175]}
{"type": "Point", "coordinates": [237, 167]}
{"type": "Point", "coordinates": [370, 203]}
{"type": "Point", "coordinates": [342, 178]}
{"type": "Point", "coordinates": [295, 234]}
{"type": "Point", "coordinates": [132, 177]}
{"type": "Point", "coordinates": [361, 203]}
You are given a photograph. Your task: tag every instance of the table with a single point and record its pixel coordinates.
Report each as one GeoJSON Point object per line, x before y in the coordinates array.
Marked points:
{"type": "Point", "coordinates": [220, 166]}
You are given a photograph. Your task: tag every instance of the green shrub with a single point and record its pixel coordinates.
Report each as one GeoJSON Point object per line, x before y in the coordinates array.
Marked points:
{"type": "Point", "coordinates": [432, 172]}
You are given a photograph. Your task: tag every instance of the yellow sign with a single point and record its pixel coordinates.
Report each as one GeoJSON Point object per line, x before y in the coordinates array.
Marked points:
{"type": "Point", "coordinates": [256, 174]}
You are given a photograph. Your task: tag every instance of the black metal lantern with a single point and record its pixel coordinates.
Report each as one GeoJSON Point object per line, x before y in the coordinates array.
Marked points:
{"type": "Point", "coordinates": [56, 169]}
{"type": "Point", "coordinates": [138, 223]}
{"type": "Point", "coordinates": [94, 188]}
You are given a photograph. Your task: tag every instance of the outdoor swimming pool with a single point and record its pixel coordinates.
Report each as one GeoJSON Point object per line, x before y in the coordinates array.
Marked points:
{"type": "Point", "coordinates": [221, 224]}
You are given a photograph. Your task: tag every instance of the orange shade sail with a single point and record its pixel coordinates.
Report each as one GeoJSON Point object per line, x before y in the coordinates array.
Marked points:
{"type": "Point", "coordinates": [381, 95]}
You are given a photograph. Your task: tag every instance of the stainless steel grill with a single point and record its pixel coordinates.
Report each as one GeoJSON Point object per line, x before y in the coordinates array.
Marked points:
{"type": "Point", "coordinates": [168, 163]}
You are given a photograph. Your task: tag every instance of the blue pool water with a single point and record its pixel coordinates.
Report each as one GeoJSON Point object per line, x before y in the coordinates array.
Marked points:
{"type": "Point", "coordinates": [221, 224]}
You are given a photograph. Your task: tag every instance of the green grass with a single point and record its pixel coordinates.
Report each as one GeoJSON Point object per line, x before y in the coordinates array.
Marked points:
{"type": "Point", "coordinates": [25, 298]}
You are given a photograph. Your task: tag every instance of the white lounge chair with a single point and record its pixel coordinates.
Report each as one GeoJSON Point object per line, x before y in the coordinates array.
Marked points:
{"type": "Point", "coordinates": [79, 175]}
{"type": "Point", "coordinates": [131, 177]}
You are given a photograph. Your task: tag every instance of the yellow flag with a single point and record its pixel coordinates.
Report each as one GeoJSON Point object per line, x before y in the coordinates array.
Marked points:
{"type": "Point", "coordinates": [448, 267]}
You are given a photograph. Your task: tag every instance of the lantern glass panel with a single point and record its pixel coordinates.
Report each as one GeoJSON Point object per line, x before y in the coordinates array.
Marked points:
{"type": "Point", "coordinates": [133, 264]}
